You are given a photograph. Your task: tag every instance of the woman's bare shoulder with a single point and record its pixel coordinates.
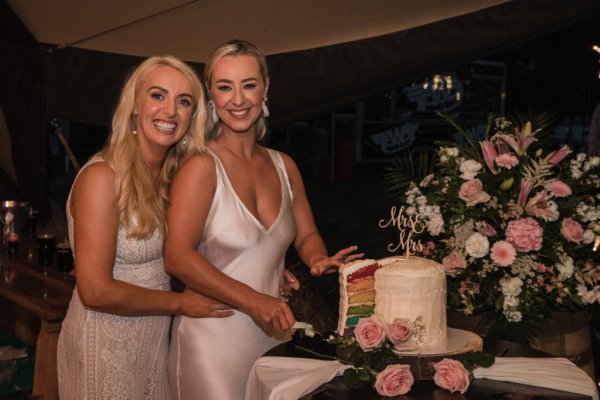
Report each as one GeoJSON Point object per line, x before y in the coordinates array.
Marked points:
{"type": "Point", "coordinates": [198, 162]}
{"type": "Point", "coordinates": [198, 168]}
{"type": "Point", "coordinates": [96, 175]}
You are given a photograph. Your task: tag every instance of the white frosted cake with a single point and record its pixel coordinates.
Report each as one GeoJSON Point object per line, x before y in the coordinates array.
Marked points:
{"type": "Point", "coordinates": [394, 287]}
{"type": "Point", "coordinates": [413, 287]}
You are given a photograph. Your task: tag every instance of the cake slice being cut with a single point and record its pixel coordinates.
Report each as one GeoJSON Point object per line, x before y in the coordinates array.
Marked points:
{"type": "Point", "coordinates": [357, 293]}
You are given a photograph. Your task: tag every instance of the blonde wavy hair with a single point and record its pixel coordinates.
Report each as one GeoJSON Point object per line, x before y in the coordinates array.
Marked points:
{"type": "Point", "coordinates": [141, 198]}
{"type": "Point", "coordinates": [235, 48]}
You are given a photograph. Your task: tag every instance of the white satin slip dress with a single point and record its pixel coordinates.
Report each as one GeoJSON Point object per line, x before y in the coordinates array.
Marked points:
{"type": "Point", "coordinates": [210, 358]}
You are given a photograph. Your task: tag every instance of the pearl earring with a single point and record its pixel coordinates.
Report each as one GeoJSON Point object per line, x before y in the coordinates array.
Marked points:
{"type": "Point", "coordinates": [213, 112]}
{"type": "Point", "coordinates": [265, 109]}
{"type": "Point", "coordinates": [134, 124]}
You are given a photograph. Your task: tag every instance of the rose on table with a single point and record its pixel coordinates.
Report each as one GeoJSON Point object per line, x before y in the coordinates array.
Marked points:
{"type": "Point", "coordinates": [374, 339]}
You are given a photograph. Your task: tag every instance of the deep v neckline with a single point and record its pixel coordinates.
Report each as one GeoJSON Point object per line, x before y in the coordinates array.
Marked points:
{"type": "Point", "coordinates": [239, 201]}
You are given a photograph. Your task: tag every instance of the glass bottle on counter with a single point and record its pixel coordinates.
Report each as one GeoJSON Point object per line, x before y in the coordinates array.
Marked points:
{"type": "Point", "coordinates": [8, 224]}
{"type": "Point", "coordinates": [12, 240]}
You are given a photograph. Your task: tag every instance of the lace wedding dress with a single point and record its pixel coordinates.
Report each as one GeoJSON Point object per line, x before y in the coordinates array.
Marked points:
{"type": "Point", "coordinates": [106, 356]}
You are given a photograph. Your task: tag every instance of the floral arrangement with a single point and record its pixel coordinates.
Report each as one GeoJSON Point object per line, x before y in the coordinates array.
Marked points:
{"type": "Point", "coordinates": [372, 348]}
{"type": "Point", "coordinates": [515, 227]}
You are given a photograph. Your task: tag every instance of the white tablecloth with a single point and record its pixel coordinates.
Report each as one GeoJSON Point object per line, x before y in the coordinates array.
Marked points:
{"type": "Point", "coordinates": [552, 373]}
{"type": "Point", "coordinates": [288, 378]}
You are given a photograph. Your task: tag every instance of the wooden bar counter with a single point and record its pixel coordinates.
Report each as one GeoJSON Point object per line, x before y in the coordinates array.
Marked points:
{"type": "Point", "coordinates": [33, 303]}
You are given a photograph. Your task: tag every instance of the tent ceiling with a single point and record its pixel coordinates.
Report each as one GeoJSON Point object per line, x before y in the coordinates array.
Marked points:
{"type": "Point", "coordinates": [191, 29]}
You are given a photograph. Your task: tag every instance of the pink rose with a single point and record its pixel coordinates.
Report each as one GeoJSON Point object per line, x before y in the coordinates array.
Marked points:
{"type": "Point", "coordinates": [399, 331]}
{"type": "Point", "coordinates": [394, 380]}
{"type": "Point", "coordinates": [571, 230]}
{"type": "Point", "coordinates": [472, 192]}
{"type": "Point", "coordinates": [451, 375]}
{"type": "Point", "coordinates": [454, 262]}
{"type": "Point", "coordinates": [485, 229]}
{"type": "Point", "coordinates": [524, 234]}
{"type": "Point", "coordinates": [369, 333]}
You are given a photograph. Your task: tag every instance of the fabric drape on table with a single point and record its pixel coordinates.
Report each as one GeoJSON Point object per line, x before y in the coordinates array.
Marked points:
{"type": "Point", "coordinates": [552, 373]}
{"type": "Point", "coordinates": [287, 378]}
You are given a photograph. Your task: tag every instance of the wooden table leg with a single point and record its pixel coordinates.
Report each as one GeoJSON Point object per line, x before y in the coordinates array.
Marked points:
{"type": "Point", "coordinates": [45, 382]}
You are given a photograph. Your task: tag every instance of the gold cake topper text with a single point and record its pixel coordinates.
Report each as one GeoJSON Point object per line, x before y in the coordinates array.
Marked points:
{"type": "Point", "coordinates": [407, 225]}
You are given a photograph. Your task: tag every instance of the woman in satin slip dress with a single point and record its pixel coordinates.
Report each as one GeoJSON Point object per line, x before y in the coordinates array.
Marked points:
{"type": "Point", "coordinates": [114, 339]}
{"type": "Point", "coordinates": [234, 212]}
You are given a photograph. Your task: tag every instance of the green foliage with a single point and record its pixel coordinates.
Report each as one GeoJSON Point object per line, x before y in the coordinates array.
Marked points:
{"type": "Point", "coordinates": [477, 359]}
{"type": "Point", "coordinates": [409, 166]}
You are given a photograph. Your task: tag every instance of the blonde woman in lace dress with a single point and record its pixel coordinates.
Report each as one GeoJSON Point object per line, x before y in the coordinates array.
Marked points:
{"type": "Point", "coordinates": [114, 339]}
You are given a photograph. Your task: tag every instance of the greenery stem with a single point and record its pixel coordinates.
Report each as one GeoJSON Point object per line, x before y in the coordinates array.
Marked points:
{"type": "Point", "coordinates": [322, 355]}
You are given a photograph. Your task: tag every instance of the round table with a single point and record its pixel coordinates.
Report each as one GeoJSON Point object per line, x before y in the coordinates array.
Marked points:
{"type": "Point", "coordinates": [427, 390]}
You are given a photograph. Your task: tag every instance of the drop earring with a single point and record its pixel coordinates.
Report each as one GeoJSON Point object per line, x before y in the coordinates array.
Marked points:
{"type": "Point", "coordinates": [265, 109]}
{"type": "Point", "coordinates": [134, 124]}
{"type": "Point", "coordinates": [213, 111]}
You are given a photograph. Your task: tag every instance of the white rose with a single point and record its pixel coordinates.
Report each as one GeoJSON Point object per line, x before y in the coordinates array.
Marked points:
{"type": "Point", "coordinates": [470, 169]}
{"type": "Point", "coordinates": [410, 210]}
{"type": "Point", "coordinates": [477, 245]}
{"type": "Point", "coordinates": [588, 236]}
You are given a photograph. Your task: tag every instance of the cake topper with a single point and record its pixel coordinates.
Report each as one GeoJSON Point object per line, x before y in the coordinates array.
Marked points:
{"type": "Point", "coordinates": [407, 225]}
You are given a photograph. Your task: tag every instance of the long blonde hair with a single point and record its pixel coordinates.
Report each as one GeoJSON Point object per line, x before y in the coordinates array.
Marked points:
{"type": "Point", "coordinates": [235, 48]}
{"type": "Point", "coordinates": [142, 198]}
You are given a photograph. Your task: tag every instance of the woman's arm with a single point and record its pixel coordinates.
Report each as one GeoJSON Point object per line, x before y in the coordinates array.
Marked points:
{"type": "Point", "coordinates": [308, 242]}
{"type": "Point", "coordinates": [191, 196]}
{"type": "Point", "coordinates": [94, 210]}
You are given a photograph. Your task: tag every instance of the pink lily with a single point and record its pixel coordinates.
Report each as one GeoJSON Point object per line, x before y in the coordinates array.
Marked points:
{"type": "Point", "coordinates": [557, 156]}
{"type": "Point", "coordinates": [524, 139]}
{"type": "Point", "coordinates": [538, 206]}
{"type": "Point", "coordinates": [526, 186]}
{"type": "Point", "coordinates": [489, 154]}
